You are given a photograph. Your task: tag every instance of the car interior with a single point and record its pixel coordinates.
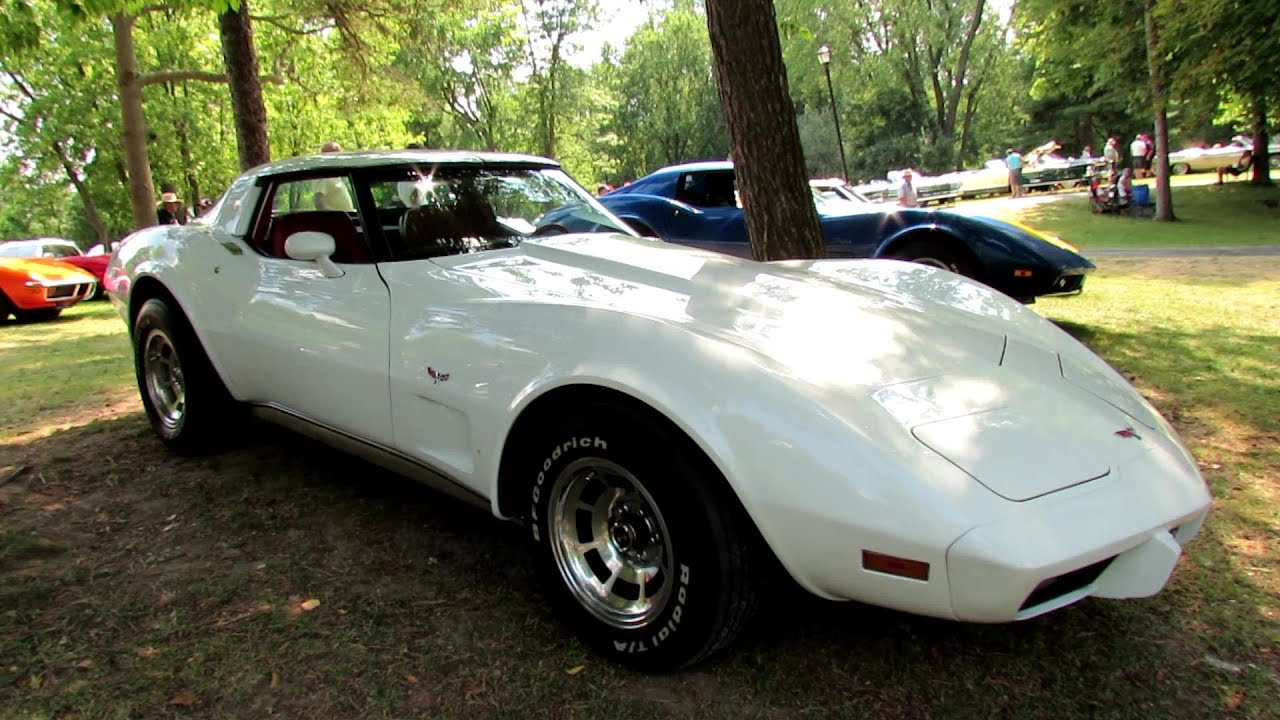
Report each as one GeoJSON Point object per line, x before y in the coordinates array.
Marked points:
{"type": "Point", "coordinates": [707, 189]}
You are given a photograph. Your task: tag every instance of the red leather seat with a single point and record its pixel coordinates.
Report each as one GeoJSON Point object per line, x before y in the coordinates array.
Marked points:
{"type": "Point", "coordinates": [349, 246]}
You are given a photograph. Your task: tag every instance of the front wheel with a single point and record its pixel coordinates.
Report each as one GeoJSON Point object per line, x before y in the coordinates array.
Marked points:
{"type": "Point", "coordinates": [189, 407]}
{"type": "Point", "coordinates": [636, 542]}
{"type": "Point", "coordinates": [1180, 168]}
{"type": "Point", "coordinates": [935, 254]}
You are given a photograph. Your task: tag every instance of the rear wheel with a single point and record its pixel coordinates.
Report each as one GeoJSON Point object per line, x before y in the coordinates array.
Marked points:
{"type": "Point", "coordinates": [41, 315]}
{"type": "Point", "coordinates": [936, 254]}
{"type": "Point", "coordinates": [6, 308]}
{"type": "Point", "coordinates": [642, 551]}
{"type": "Point", "coordinates": [1180, 169]}
{"type": "Point", "coordinates": [188, 405]}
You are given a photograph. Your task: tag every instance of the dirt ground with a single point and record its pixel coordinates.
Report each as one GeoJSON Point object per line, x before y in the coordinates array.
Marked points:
{"type": "Point", "coordinates": [284, 579]}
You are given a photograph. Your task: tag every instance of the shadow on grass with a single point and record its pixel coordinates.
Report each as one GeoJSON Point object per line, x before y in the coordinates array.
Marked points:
{"type": "Point", "coordinates": [132, 578]}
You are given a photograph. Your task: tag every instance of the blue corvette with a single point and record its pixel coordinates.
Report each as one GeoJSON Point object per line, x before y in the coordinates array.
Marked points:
{"type": "Point", "coordinates": [695, 204]}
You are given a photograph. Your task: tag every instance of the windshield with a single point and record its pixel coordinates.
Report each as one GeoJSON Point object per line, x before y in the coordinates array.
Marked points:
{"type": "Point", "coordinates": [16, 250]}
{"type": "Point", "coordinates": [830, 201]}
{"type": "Point", "coordinates": [451, 210]}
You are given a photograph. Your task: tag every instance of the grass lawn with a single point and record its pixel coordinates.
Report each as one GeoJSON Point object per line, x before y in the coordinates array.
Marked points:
{"type": "Point", "coordinates": [1232, 214]}
{"type": "Point", "coordinates": [284, 579]}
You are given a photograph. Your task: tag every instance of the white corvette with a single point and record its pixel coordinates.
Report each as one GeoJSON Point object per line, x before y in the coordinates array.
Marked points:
{"type": "Point", "coordinates": [665, 421]}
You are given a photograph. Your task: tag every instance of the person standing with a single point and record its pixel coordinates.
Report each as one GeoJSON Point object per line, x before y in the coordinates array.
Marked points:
{"type": "Point", "coordinates": [1138, 156]}
{"type": "Point", "coordinates": [1013, 160]}
{"type": "Point", "coordinates": [1111, 153]}
{"type": "Point", "coordinates": [907, 191]}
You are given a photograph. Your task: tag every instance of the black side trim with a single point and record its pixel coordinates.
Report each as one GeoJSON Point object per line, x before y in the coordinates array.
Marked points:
{"type": "Point", "coordinates": [392, 460]}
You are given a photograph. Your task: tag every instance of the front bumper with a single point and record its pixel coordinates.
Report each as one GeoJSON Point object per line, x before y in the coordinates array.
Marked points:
{"type": "Point", "coordinates": [1112, 538]}
{"type": "Point", "coordinates": [37, 295]}
{"type": "Point", "coordinates": [1066, 282]}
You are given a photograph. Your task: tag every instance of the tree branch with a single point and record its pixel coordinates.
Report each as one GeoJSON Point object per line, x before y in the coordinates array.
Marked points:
{"type": "Point", "coordinates": [278, 22]}
{"type": "Point", "coordinates": [147, 9]}
{"type": "Point", "coordinates": [172, 76]}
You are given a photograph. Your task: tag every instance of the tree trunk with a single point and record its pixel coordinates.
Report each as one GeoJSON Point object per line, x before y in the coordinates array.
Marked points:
{"type": "Point", "coordinates": [134, 123]}
{"type": "Point", "coordinates": [184, 147]}
{"type": "Point", "coordinates": [188, 162]}
{"type": "Point", "coordinates": [769, 162]}
{"type": "Point", "coordinates": [246, 88]}
{"type": "Point", "coordinates": [86, 198]}
{"type": "Point", "coordinates": [1155, 66]}
{"type": "Point", "coordinates": [1261, 160]}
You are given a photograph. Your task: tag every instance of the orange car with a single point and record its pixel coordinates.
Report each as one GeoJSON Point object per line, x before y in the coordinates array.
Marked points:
{"type": "Point", "coordinates": [34, 289]}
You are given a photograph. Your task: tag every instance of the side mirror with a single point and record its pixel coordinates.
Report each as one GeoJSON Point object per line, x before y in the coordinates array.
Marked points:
{"type": "Point", "coordinates": [315, 247]}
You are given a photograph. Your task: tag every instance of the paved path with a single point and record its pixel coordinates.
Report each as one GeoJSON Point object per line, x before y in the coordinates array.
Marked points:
{"type": "Point", "coordinates": [1253, 251]}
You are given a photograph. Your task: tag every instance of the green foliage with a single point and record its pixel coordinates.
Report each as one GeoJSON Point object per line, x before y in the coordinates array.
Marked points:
{"type": "Point", "coordinates": [916, 84]}
{"type": "Point", "coordinates": [1090, 69]}
{"type": "Point", "coordinates": [668, 107]}
{"type": "Point", "coordinates": [507, 75]}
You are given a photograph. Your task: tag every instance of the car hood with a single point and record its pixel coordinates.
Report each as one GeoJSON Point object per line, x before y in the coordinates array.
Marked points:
{"type": "Point", "coordinates": [968, 372]}
{"type": "Point", "coordinates": [831, 323]}
{"type": "Point", "coordinates": [46, 269]}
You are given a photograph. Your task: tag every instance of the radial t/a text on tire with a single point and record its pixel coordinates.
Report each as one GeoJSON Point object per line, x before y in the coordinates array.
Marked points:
{"type": "Point", "coordinates": [641, 549]}
{"type": "Point", "coordinates": [185, 400]}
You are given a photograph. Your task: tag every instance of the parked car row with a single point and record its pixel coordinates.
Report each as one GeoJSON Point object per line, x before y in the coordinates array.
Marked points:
{"type": "Point", "coordinates": [40, 278]}
{"type": "Point", "coordinates": [696, 205]}
{"type": "Point", "coordinates": [672, 426]}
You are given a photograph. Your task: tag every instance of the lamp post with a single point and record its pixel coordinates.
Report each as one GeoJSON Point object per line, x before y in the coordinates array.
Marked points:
{"type": "Point", "coordinates": [824, 57]}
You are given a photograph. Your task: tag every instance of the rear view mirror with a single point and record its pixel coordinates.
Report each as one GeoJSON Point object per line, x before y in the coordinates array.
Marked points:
{"type": "Point", "coordinates": [316, 247]}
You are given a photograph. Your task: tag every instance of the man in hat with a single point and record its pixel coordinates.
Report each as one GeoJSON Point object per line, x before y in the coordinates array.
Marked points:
{"type": "Point", "coordinates": [907, 191]}
{"type": "Point", "coordinates": [171, 210]}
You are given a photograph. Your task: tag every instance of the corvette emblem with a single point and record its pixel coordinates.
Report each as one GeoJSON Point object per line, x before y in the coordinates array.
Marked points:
{"type": "Point", "coordinates": [1128, 433]}
{"type": "Point", "coordinates": [437, 376]}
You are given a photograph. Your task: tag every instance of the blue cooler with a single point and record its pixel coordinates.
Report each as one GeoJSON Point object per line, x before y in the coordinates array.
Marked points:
{"type": "Point", "coordinates": [1141, 195]}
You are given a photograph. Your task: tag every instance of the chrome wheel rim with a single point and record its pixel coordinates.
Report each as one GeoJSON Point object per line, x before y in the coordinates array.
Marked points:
{"type": "Point", "coordinates": [610, 542]}
{"type": "Point", "coordinates": [162, 372]}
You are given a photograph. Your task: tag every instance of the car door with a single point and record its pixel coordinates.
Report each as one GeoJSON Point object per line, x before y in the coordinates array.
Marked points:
{"type": "Point", "coordinates": [429, 349]}
{"type": "Point", "coordinates": [715, 221]}
{"type": "Point", "coordinates": [308, 341]}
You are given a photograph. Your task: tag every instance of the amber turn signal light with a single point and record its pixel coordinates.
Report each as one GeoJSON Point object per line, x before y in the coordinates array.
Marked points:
{"type": "Point", "coordinates": [1022, 273]}
{"type": "Point", "coordinates": [890, 565]}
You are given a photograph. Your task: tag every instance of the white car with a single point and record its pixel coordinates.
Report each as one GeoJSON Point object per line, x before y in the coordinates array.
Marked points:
{"type": "Point", "coordinates": [1202, 159]}
{"type": "Point", "coordinates": [665, 421]}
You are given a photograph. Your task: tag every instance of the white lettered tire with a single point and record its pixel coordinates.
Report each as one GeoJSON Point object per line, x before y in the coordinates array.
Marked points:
{"type": "Point", "coordinates": [189, 407]}
{"type": "Point", "coordinates": [637, 540]}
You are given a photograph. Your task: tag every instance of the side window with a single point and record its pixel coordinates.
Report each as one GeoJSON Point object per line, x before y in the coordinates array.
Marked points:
{"type": "Point", "coordinates": [322, 205]}
{"type": "Point", "coordinates": [707, 189]}
{"type": "Point", "coordinates": [691, 188]}
{"type": "Point", "coordinates": [447, 213]}
{"type": "Point", "coordinates": [60, 251]}
{"type": "Point", "coordinates": [328, 193]}
{"type": "Point", "coordinates": [229, 210]}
